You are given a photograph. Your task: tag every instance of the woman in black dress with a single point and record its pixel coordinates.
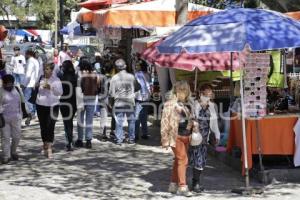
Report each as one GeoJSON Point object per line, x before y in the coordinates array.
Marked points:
{"type": "Point", "coordinates": [68, 99]}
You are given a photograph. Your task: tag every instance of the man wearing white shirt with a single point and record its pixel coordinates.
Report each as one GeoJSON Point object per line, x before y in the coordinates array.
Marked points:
{"type": "Point", "coordinates": [18, 62]}
{"type": "Point", "coordinates": [64, 55]}
{"type": "Point", "coordinates": [41, 63]}
{"type": "Point", "coordinates": [30, 79]}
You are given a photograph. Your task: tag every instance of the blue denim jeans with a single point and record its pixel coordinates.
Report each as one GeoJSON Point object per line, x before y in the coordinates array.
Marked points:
{"type": "Point", "coordinates": [103, 118]}
{"type": "Point", "coordinates": [85, 120]}
{"type": "Point", "coordinates": [27, 94]}
{"type": "Point", "coordinates": [120, 113]}
{"type": "Point", "coordinates": [97, 106]}
{"type": "Point", "coordinates": [18, 78]}
{"type": "Point", "coordinates": [141, 118]}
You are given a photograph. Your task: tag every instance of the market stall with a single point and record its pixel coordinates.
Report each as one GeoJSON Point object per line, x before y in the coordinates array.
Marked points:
{"type": "Point", "coordinates": [236, 30]}
{"type": "Point", "coordinates": [276, 136]}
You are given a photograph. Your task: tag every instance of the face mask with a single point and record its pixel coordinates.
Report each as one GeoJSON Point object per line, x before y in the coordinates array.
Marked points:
{"type": "Point", "coordinates": [9, 88]}
{"type": "Point", "coordinates": [204, 99]}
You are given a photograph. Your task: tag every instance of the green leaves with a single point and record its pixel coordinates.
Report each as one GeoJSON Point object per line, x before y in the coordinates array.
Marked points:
{"type": "Point", "coordinates": [43, 9]}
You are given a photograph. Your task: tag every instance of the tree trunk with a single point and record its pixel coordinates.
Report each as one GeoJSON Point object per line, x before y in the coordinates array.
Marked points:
{"type": "Point", "coordinates": [3, 8]}
{"type": "Point", "coordinates": [181, 11]}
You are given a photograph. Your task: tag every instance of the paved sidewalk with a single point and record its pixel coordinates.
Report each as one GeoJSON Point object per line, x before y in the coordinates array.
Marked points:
{"type": "Point", "coordinates": [108, 171]}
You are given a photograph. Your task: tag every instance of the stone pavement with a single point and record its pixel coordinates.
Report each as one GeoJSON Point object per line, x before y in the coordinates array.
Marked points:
{"type": "Point", "coordinates": [108, 171]}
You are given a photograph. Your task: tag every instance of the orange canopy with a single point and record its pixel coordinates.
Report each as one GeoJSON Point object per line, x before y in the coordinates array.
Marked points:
{"type": "Point", "coordinates": [295, 15]}
{"type": "Point", "coordinates": [158, 13]}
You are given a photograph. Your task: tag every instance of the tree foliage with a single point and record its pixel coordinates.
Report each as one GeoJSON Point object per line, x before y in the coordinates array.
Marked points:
{"type": "Point", "coordinates": [44, 10]}
{"type": "Point", "coordinates": [13, 7]}
{"type": "Point", "coordinates": [277, 5]}
{"type": "Point", "coordinates": [220, 4]}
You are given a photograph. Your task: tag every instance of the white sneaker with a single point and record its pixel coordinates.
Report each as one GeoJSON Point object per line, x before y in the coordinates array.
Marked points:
{"type": "Point", "coordinates": [184, 191]}
{"type": "Point", "coordinates": [173, 188]}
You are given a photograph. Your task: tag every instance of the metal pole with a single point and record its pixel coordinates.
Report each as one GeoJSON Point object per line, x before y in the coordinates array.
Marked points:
{"type": "Point", "coordinates": [61, 21]}
{"type": "Point", "coordinates": [259, 145]}
{"type": "Point", "coordinates": [56, 24]}
{"type": "Point", "coordinates": [231, 79]}
{"type": "Point", "coordinates": [294, 64]}
{"type": "Point", "coordinates": [247, 180]}
{"type": "Point", "coordinates": [196, 80]}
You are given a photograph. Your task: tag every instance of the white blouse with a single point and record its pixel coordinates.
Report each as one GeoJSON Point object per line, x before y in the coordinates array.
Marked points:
{"type": "Point", "coordinates": [50, 97]}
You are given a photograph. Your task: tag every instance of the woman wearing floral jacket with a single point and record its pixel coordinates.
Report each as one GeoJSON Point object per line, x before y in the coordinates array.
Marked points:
{"type": "Point", "coordinates": [175, 133]}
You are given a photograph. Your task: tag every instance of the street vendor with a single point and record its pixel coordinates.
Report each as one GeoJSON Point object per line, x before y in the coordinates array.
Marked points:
{"type": "Point", "coordinates": [277, 100]}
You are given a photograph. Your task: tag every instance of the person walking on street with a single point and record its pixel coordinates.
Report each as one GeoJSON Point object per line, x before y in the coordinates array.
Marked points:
{"type": "Point", "coordinates": [103, 103]}
{"type": "Point", "coordinates": [175, 133]}
{"type": "Point", "coordinates": [142, 97]}
{"type": "Point", "coordinates": [29, 82]}
{"type": "Point", "coordinates": [47, 104]}
{"type": "Point", "coordinates": [206, 118]}
{"type": "Point", "coordinates": [11, 98]}
{"type": "Point", "coordinates": [64, 54]}
{"type": "Point", "coordinates": [89, 83]}
{"type": "Point", "coordinates": [123, 86]}
{"type": "Point", "coordinates": [68, 100]}
{"type": "Point", "coordinates": [18, 62]}
{"type": "Point", "coordinates": [98, 69]}
{"type": "Point", "coordinates": [41, 63]}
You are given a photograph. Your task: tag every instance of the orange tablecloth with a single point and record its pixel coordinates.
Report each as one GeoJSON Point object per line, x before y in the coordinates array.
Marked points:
{"type": "Point", "coordinates": [276, 136]}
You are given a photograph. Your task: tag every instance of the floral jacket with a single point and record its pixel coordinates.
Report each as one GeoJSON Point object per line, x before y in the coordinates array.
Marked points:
{"type": "Point", "coordinates": [169, 123]}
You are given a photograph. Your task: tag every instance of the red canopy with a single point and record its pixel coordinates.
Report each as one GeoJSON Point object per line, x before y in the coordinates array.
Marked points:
{"type": "Point", "coordinates": [98, 4]}
{"type": "Point", "coordinates": [185, 61]}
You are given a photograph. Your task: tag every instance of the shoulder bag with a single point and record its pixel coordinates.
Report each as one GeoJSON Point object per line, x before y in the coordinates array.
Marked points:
{"type": "Point", "coordinates": [23, 106]}
{"type": "Point", "coordinates": [2, 121]}
{"type": "Point", "coordinates": [35, 92]}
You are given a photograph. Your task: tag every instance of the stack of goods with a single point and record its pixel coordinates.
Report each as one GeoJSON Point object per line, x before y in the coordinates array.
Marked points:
{"type": "Point", "coordinates": [255, 81]}
{"type": "Point", "coordinates": [221, 87]}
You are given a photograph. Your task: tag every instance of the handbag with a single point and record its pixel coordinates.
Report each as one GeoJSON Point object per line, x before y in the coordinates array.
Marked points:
{"type": "Point", "coordinates": [23, 106]}
{"type": "Point", "coordinates": [196, 139]}
{"type": "Point", "coordinates": [35, 92]}
{"type": "Point", "coordinates": [33, 96]}
{"type": "Point", "coordinates": [2, 121]}
{"type": "Point", "coordinates": [79, 98]}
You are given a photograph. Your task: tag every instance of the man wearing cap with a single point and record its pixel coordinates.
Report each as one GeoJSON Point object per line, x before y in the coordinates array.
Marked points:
{"type": "Point", "coordinates": [123, 86]}
{"type": "Point", "coordinates": [18, 62]}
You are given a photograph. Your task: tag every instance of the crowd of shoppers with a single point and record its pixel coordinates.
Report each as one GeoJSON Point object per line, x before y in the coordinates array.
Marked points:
{"type": "Point", "coordinates": [91, 89]}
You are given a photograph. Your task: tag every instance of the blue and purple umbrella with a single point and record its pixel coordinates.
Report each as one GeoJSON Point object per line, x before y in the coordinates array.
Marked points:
{"type": "Point", "coordinates": [231, 30]}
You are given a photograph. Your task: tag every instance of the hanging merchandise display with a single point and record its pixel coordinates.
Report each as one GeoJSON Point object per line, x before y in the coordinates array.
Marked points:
{"type": "Point", "coordinates": [276, 75]}
{"type": "Point", "coordinates": [110, 33]}
{"type": "Point", "coordinates": [255, 80]}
